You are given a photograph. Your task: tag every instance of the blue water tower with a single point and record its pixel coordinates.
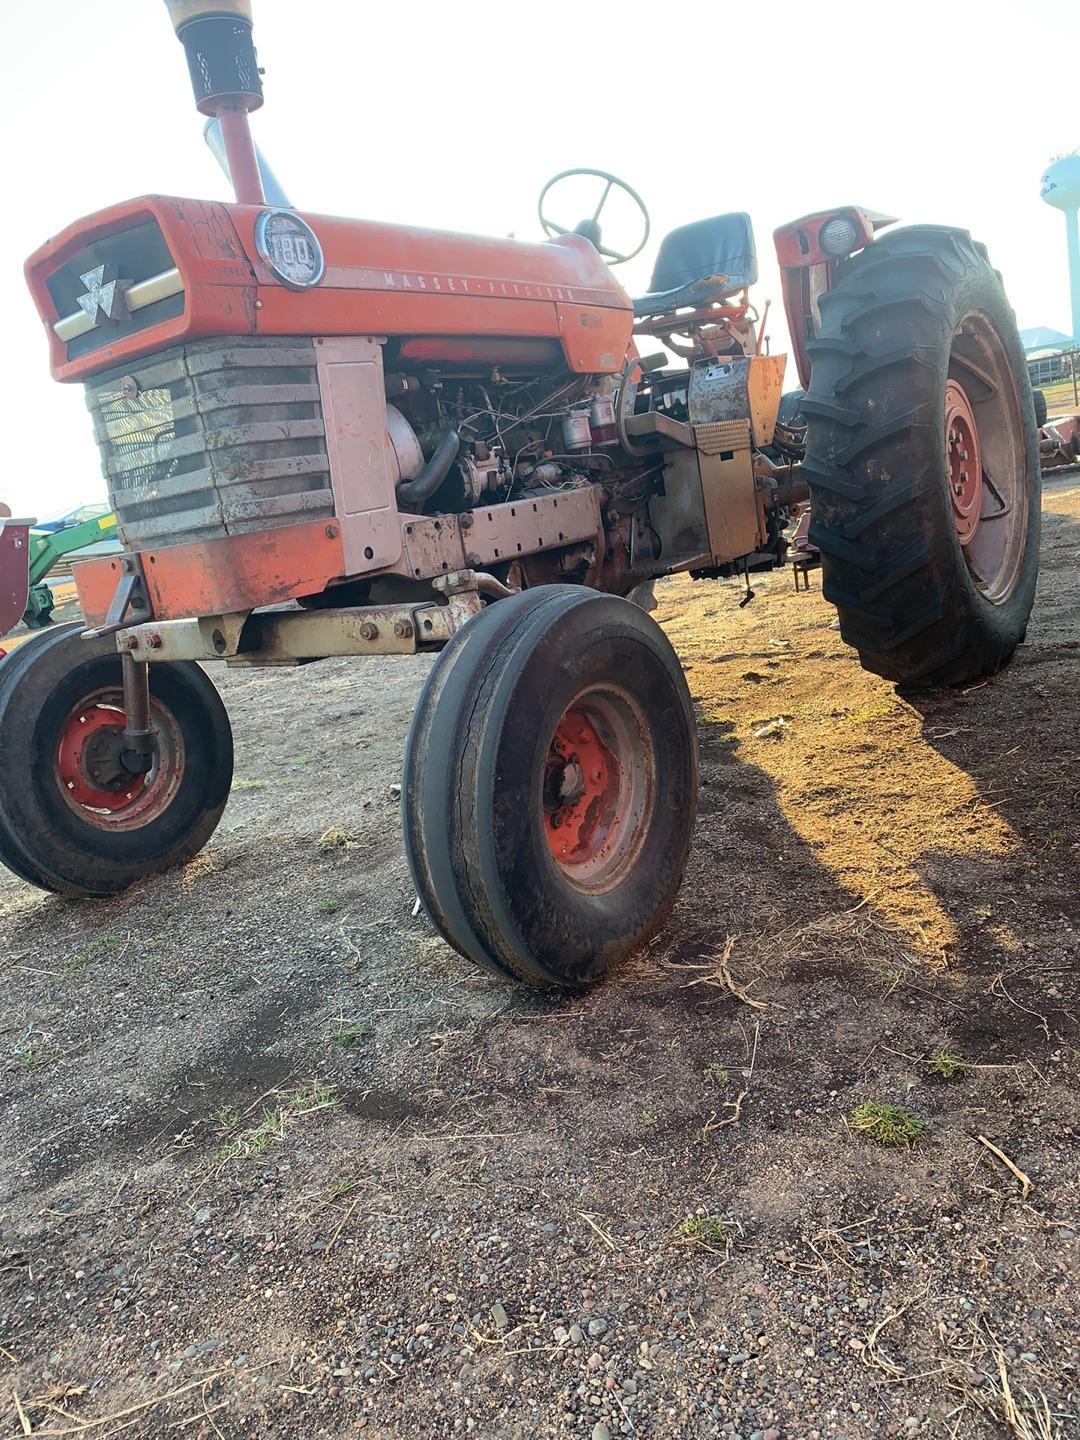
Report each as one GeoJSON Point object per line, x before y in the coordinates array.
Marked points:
{"type": "Point", "coordinates": [1060, 187]}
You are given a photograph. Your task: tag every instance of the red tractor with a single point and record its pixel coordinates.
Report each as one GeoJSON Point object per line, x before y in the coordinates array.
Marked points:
{"type": "Point", "coordinates": [329, 437]}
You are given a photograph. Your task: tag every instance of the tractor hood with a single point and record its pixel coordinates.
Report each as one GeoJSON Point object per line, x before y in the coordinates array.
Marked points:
{"type": "Point", "coordinates": [147, 273]}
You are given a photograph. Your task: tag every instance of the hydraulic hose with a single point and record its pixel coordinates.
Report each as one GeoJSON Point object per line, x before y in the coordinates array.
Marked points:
{"type": "Point", "coordinates": [415, 492]}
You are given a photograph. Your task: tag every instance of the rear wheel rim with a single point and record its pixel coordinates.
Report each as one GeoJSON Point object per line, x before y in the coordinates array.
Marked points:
{"type": "Point", "coordinates": [965, 462]}
{"type": "Point", "coordinates": [986, 457]}
{"type": "Point", "coordinates": [599, 788]}
{"type": "Point", "coordinates": [89, 773]}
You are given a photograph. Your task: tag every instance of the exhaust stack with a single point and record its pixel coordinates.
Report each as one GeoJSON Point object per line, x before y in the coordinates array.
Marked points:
{"type": "Point", "coordinates": [272, 187]}
{"type": "Point", "coordinates": [216, 36]}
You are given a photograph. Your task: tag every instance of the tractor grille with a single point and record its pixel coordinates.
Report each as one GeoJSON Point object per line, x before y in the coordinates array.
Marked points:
{"type": "Point", "coordinates": [133, 254]}
{"type": "Point", "coordinates": [213, 438]}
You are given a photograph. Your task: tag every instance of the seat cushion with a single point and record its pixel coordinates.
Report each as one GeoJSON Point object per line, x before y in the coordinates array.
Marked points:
{"type": "Point", "coordinates": [700, 263]}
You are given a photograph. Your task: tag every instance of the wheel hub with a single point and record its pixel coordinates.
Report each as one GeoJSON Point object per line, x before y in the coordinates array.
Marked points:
{"type": "Point", "coordinates": [964, 460]}
{"type": "Point", "coordinates": [581, 784]}
{"type": "Point", "coordinates": [90, 770]}
{"type": "Point", "coordinates": [598, 789]}
{"type": "Point", "coordinates": [89, 764]}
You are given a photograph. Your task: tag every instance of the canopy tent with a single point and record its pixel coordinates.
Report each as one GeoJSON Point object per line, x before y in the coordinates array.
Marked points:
{"type": "Point", "coordinates": [1044, 337]}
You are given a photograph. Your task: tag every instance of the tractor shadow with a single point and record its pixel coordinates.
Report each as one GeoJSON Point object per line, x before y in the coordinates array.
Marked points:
{"type": "Point", "coordinates": [1017, 737]}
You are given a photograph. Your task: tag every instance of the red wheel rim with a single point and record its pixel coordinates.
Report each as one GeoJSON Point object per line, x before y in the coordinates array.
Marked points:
{"type": "Point", "coordinates": [89, 772]}
{"type": "Point", "coordinates": [987, 459]}
{"type": "Point", "coordinates": [965, 462]}
{"type": "Point", "coordinates": [598, 788]}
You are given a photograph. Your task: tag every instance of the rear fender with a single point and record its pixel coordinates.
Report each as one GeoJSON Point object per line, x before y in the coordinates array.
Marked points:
{"type": "Point", "coordinates": [808, 270]}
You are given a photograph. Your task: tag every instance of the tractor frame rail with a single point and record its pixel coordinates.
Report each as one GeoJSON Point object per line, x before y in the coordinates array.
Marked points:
{"type": "Point", "coordinates": [296, 637]}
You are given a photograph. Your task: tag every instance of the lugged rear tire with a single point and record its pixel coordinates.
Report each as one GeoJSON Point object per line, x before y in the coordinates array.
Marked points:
{"type": "Point", "coordinates": [912, 318]}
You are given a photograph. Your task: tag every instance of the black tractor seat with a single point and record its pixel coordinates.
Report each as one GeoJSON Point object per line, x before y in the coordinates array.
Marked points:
{"type": "Point", "coordinates": [700, 264]}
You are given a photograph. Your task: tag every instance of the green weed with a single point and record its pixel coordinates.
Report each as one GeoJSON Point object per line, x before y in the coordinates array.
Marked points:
{"type": "Point", "coordinates": [36, 1057]}
{"type": "Point", "coordinates": [708, 1231]}
{"type": "Point", "coordinates": [273, 1122]}
{"type": "Point", "coordinates": [947, 1066]}
{"type": "Point", "coordinates": [887, 1124]}
{"type": "Point", "coordinates": [351, 1035]}
{"type": "Point", "coordinates": [96, 950]}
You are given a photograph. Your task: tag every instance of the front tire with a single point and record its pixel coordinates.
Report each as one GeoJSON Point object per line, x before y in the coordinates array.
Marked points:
{"type": "Point", "coordinates": [922, 458]}
{"type": "Point", "coordinates": [550, 785]}
{"type": "Point", "coordinates": [71, 820]}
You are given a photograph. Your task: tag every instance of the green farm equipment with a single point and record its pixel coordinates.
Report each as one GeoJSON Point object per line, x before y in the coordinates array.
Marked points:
{"type": "Point", "coordinates": [32, 553]}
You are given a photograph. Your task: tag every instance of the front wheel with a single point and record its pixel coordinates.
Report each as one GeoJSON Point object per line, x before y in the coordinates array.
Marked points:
{"type": "Point", "coordinates": [922, 456]}
{"type": "Point", "coordinates": [72, 819]}
{"type": "Point", "coordinates": [550, 785]}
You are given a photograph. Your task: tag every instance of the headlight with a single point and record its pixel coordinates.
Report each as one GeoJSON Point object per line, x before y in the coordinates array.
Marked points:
{"type": "Point", "coordinates": [289, 248]}
{"type": "Point", "coordinates": [838, 236]}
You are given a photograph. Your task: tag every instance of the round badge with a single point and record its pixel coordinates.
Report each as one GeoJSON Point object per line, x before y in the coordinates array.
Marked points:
{"type": "Point", "coordinates": [289, 248]}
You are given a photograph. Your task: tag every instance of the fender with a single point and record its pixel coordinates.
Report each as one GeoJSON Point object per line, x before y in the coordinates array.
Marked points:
{"type": "Point", "coordinates": [808, 266]}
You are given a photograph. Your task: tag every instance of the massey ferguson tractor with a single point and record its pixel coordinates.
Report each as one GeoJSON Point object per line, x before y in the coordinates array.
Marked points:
{"type": "Point", "coordinates": [330, 437]}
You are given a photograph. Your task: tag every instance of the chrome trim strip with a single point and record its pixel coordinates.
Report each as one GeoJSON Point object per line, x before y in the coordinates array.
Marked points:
{"type": "Point", "coordinates": [138, 296]}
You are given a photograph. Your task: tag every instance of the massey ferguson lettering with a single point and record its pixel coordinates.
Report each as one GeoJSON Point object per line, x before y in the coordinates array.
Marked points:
{"type": "Point", "coordinates": [464, 285]}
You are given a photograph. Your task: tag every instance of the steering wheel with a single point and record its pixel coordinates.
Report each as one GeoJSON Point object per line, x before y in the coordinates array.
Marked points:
{"type": "Point", "coordinates": [590, 228]}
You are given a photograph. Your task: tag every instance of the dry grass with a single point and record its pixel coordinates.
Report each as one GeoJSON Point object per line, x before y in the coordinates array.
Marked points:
{"type": "Point", "coordinates": [716, 972]}
{"type": "Point", "coordinates": [1025, 1414]}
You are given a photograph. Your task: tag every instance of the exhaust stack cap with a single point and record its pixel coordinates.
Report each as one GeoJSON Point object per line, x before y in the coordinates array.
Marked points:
{"type": "Point", "coordinates": [216, 36]}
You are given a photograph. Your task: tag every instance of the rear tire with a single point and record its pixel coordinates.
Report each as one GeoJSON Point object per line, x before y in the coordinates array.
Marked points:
{"type": "Point", "coordinates": [933, 577]}
{"type": "Point", "coordinates": [550, 785]}
{"type": "Point", "coordinates": [1040, 407]}
{"type": "Point", "coordinates": [70, 820]}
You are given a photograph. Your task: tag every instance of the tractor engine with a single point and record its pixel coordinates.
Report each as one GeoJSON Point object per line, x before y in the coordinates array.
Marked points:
{"type": "Point", "coordinates": [467, 440]}
{"type": "Point", "coordinates": [514, 435]}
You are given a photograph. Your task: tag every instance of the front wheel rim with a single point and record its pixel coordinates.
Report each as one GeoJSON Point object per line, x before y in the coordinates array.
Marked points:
{"type": "Point", "coordinates": [598, 790]}
{"type": "Point", "coordinates": [90, 776]}
{"type": "Point", "coordinates": [986, 457]}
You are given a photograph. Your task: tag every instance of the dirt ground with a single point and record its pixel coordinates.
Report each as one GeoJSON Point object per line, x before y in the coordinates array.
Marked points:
{"type": "Point", "coordinates": [274, 1162]}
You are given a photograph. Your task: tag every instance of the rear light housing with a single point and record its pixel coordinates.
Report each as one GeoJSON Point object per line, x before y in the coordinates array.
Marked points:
{"type": "Point", "coordinates": [809, 251]}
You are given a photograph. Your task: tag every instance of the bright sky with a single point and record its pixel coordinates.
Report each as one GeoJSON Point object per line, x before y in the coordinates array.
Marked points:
{"type": "Point", "coordinates": [454, 115]}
